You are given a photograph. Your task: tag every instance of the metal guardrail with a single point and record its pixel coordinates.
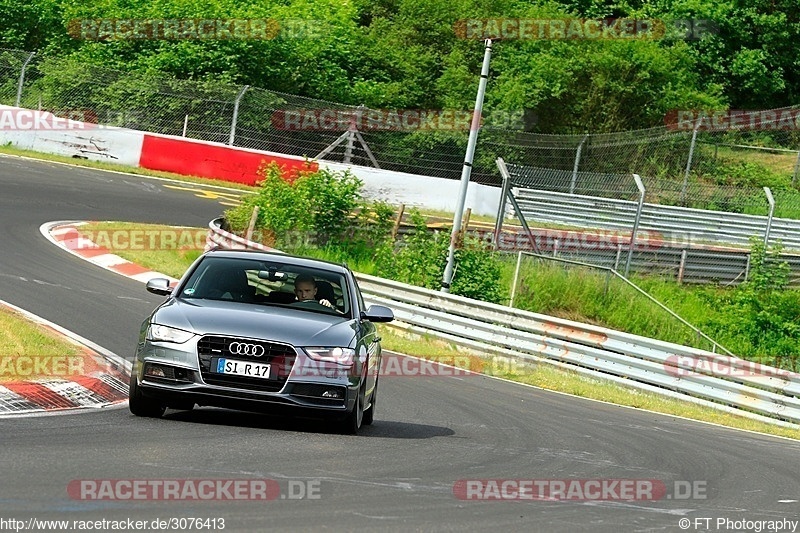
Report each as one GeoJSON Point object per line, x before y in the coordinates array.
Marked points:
{"type": "Point", "coordinates": [658, 365]}
{"type": "Point", "coordinates": [725, 382]}
{"type": "Point", "coordinates": [675, 223]}
{"type": "Point", "coordinates": [680, 242]}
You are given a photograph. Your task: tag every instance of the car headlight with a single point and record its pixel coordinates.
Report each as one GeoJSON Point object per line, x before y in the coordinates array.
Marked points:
{"type": "Point", "coordinates": [342, 356]}
{"type": "Point", "coordinates": [157, 332]}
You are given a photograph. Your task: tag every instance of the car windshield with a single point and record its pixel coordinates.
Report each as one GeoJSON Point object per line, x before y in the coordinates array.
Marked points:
{"type": "Point", "coordinates": [268, 283]}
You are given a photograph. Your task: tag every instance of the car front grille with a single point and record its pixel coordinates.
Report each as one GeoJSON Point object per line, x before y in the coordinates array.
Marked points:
{"type": "Point", "coordinates": [280, 356]}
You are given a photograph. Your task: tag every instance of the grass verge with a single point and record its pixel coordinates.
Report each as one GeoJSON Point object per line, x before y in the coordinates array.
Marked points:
{"type": "Point", "coordinates": [21, 338]}
{"type": "Point", "coordinates": [543, 376]}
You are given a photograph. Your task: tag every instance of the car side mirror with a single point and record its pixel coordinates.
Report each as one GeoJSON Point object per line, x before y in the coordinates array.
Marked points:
{"type": "Point", "coordinates": [159, 286]}
{"type": "Point", "coordinates": [378, 313]}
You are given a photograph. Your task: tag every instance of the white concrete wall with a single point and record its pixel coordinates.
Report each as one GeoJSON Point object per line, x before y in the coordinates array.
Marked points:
{"type": "Point", "coordinates": [421, 191]}
{"type": "Point", "coordinates": [74, 139]}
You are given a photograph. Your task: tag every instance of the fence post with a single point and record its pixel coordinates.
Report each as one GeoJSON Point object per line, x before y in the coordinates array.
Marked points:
{"type": "Point", "coordinates": [22, 79]}
{"type": "Point", "coordinates": [682, 266]}
{"type": "Point", "coordinates": [642, 191]}
{"type": "Point", "coordinates": [236, 113]}
{"type": "Point", "coordinates": [251, 227]}
{"type": "Point", "coordinates": [505, 190]}
{"type": "Point", "coordinates": [747, 269]}
{"type": "Point", "coordinates": [577, 164]}
{"type": "Point", "coordinates": [398, 221]}
{"type": "Point", "coordinates": [689, 162]}
{"type": "Point", "coordinates": [771, 201]}
{"type": "Point", "coordinates": [796, 170]}
{"type": "Point", "coordinates": [516, 277]}
{"type": "Point", "coordinates": [185, 124]}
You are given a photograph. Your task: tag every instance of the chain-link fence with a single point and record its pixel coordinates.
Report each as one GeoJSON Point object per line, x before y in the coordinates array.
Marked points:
{"type": "Point", "coordinates": [695, 167]}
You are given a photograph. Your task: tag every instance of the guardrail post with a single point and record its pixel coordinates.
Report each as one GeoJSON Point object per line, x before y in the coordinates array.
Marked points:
{"type": "Point", "coordinates": [22, 79]}
{"type": "Point", "coordinates": [689, 162]}
{"type": "Point", "coordinates": [577, 164]}
{"type": "Point", "coordinates": [236, 113]}
{"type": "Point", "coordinates": [771, 201]}
{"type": "Point", "coordinates": [642, 191]}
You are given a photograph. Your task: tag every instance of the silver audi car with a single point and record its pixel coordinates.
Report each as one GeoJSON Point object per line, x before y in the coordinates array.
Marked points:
{"type": "Point", "coordinates": [261, 332]}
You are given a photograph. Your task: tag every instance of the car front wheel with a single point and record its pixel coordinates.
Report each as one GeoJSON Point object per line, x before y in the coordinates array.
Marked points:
{"type": "Point", "coordinates": [141, 405]}
{"type": "Point", "coordinates": [352, 423]}
{"type": "Point", "coordinates": [369, 414]}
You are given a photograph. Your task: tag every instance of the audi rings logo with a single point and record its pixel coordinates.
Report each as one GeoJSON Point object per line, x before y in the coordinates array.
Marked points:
{"type": "Point", "coordinates": [243, 348]}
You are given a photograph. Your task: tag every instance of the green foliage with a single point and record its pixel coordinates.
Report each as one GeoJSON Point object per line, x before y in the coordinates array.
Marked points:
{"type": "Point", "coordinates": [478, 271]}
{"type": "Point", "coordinates": [315, 207]}
{"type": "Point", "coordinates": [746, 174]}
{"type": "Point", "coordinates": [418, 258]}
{"type": "Point", "coordinates": [763, 311]}
{"type": "Point", "coordinates": [421, 256]}
{"type": "Point", "coordinates": [407, 54]}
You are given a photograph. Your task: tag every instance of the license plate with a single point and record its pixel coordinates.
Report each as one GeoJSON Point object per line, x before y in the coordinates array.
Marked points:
{"type": "Point", "coordinates": [242, 368]}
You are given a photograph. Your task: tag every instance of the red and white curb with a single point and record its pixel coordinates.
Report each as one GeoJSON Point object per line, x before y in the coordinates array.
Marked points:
{"type": "Point", "coordinates": [103, 383]}
{"type": "Point", "coordinates": [66, 235]}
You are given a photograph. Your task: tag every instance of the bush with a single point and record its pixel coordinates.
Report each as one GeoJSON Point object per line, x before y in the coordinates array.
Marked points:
{"type": "Point", "coordinates": [421, 256]}
{"type": "Point", "coordinates": [764, 311]}
{"type": "Point", "coordinates": [315, 208]}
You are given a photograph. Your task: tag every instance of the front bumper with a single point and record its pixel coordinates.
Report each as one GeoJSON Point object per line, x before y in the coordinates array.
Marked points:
{"type": "Point", "coordinates": [187, 380]}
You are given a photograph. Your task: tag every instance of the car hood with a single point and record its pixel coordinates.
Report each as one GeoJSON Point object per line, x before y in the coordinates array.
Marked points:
{"type": "Point", "coordinates": [293, 326]}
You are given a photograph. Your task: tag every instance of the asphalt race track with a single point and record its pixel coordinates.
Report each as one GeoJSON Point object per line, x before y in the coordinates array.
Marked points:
{"type": "Point", "coordinates": [399, 474]}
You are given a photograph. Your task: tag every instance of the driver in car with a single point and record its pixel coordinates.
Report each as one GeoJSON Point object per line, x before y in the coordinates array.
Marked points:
{"type": "Point", "coordinates": [305, 288]}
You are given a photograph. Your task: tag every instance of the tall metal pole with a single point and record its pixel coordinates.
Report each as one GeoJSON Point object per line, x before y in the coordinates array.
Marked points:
{"type": "Point", "coordinates": [467, 169]}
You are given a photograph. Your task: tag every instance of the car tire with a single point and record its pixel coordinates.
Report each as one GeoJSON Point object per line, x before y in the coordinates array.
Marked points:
{"type": "Point", "coordinates": [140, 405]}
{"type": "Point", "coordinates": [353, 421]}
{"type": "Point", "coordinates": [369, 414]}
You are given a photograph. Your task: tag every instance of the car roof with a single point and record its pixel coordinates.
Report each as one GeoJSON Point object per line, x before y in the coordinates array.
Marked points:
{"type": "Point", "coordinates": [287, 259]}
